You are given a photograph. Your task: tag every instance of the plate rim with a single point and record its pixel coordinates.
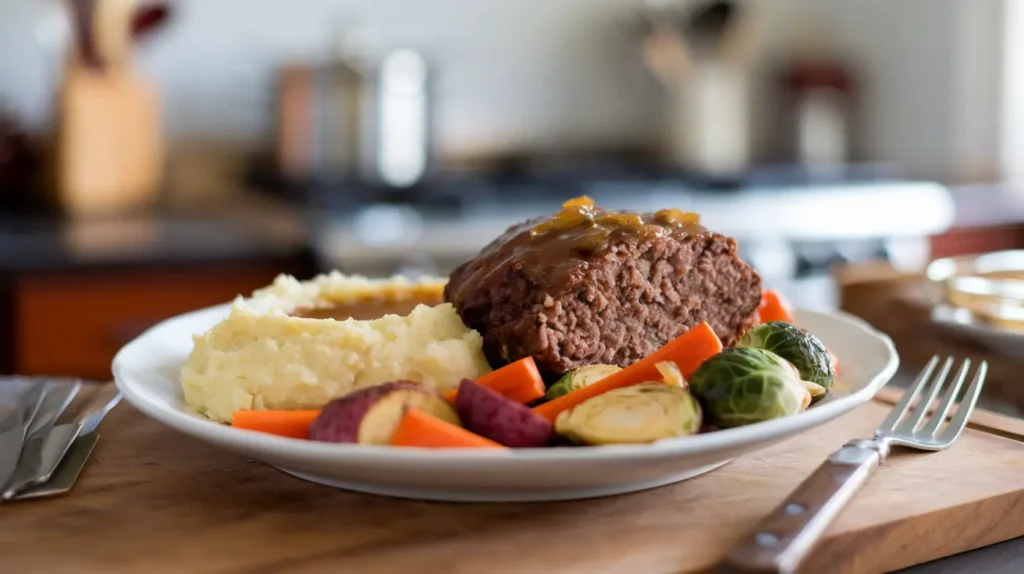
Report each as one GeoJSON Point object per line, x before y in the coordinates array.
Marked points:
{"type": "Point", "coordinates": [705, 443]}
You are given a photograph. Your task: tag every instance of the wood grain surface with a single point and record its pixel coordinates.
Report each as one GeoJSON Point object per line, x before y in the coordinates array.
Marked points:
{"type": "Point", "coordinates": [155, 501]}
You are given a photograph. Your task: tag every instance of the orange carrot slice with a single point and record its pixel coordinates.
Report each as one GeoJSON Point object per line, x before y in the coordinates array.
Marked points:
{"type": "Point", "coordinates": [774, 307]}
{"type": "Point", "coordinates": [420, 429]}
{"type": "Point", "coordinates": [519, 381]}
{"type": "Point", "coordinates": [687, 351]}
{"type": "Point", "coordinates": [294, 424]}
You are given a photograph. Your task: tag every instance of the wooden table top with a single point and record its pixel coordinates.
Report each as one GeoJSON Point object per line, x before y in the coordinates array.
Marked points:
{"type": "Point", "coordinates": [153, 500]}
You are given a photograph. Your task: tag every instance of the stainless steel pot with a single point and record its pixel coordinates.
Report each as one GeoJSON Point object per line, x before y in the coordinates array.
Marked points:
{"type": "Point", "coordinates": [357, 120]}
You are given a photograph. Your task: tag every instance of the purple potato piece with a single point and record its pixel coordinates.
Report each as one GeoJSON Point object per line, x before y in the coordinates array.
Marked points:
{"type": "Point", "coordinates": [501, 419]}
{"type": "Point", "coordinates": [371, 415]}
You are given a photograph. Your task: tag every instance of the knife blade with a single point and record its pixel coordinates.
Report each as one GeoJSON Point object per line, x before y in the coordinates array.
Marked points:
{"type": "Point", "coordinates": [67, 473]}
{"type": "Point", "coordinates": [59, 396]}
{"type": "Point", "coordinates": [15, 426]}
{"type": "Point", "coordinates": [31, 461]}
{"type": "Point", "coordinates": [61, 438]}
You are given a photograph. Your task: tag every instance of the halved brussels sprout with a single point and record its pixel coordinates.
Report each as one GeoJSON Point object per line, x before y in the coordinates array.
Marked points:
{"type": "Point", "coordinates": [579, 378]}
{"type": "Point", "coordinates": [671, 374]}
{"type": "Point", "coordinates": [805, 351]}
{"type": "Point", "coordinates": [745, 385]}
{"type": "Point", "coordinates": [636, 414]}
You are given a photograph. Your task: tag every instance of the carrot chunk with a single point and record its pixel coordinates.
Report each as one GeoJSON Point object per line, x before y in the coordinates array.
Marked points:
{"type": "Point", "coordinates": [774, 307]}
{"type": "Point", "coordinates": [519, 381]}
{"type": "Point", "coordinates": [420, 429]}
{"type": "Point", "coordinates": [294, 424]}
{"type": "Point", "coordinates": [687, 351]}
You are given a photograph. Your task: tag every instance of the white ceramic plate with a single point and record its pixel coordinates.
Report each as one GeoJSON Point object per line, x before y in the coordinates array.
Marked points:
{"type": "Point", "coordinates": [146, 371]}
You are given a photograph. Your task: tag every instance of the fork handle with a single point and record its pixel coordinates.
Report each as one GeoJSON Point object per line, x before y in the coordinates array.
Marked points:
{"type": "Point", "coordinates": [785, 537]}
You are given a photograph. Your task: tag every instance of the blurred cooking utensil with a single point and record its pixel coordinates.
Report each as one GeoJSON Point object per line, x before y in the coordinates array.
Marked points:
{"type": "Point", "coordinates": [14, 427]}
{"type": "Point", "coordinates": [785, 538]}
{"type": "Point", "coordinates": [356, 117]}
{"type": "Point", "coordinates": [60, 439]}
{"type": "Point", "coordinates": [82, 12]}
{"type": "Point", "coordinates": [701, 57]}
{"type": "Point", "coordinates": [707, 26]}
{"type": "Point", "coordinates": [106, 30]}
{"type": "Point", "coordinates": [147, 19]}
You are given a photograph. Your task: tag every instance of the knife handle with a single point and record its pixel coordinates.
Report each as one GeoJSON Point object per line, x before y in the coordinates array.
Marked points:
{"type": "Point", "coordinates": [782, 541]}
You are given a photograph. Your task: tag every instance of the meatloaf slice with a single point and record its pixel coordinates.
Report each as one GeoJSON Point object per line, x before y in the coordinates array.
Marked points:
{"type": "Point", "coordinates": [608, 292]}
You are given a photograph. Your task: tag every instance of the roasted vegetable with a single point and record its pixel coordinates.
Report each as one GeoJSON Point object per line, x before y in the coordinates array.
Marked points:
{"type": "Point", "coordinates": [745, 385]}
{"type": "Point", "coordinates": [499, 418]}
{"type": "Point", "coordinates": [688, 351]}
{"type": "Point", "coordinates": [579, 378]}
{"type": "Point", "coordinates": [803, 350]}
{"type": "Point", "coordinates": [636, 414]}
{"type": "Point", "coordinates": [371, 415]}
{"type": "Point", "coordinates": [418, 429]}
{"type": "Point", "coordinates": [671, 375]}
{"type": "Point", "coordinates": [519, 381]}
{"type": "Point", "coordinates": [774, 307]}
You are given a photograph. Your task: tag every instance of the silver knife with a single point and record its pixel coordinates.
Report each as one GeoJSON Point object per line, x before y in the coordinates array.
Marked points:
{"type": "Point", "coordinates": [15, 426]}
{"type": "Point", "coordinates": [61, 437]}
{"type": "Point", "coordinates": [67, 473]}
{"type": "Point", "coordinates": [59, 396]}
{"type": "Point", "coordinates": [31, 461]}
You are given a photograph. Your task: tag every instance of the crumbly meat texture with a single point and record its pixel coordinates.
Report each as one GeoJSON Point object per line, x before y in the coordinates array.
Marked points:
{"type": "Point", "coordinates": [613, 306]}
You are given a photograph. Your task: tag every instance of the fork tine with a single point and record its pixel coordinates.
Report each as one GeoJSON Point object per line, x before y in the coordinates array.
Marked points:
{"type": "Point", "coordinates": [915, 418]}
{"type": "Point", "coordinates": [966, 406]}
{"type": "Point", "coordinates": [939, 416]}
{"type": "Point", "coordinates": [900, 408]}
{"type": "Point", "coordinates": [959, 420]}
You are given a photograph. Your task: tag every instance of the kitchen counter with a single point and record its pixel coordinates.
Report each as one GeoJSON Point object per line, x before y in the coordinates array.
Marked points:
{"type": "Point", "coordinates": [249, 232]}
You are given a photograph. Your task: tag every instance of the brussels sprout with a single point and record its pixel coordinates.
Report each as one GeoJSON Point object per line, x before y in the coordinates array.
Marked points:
{"type": "Point", "coordinates": [745, 385]}
{"type": "Point", "coordinates": [636, 414]}
{"type": "Point", "coordinates": [579, 378]}
{"type": "Point", "coordinates": [671, 374]}
{"type": "Point", "coordinates": [805, 351]}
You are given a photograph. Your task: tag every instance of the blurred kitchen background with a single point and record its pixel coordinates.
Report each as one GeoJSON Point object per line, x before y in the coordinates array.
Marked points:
{"type": "Point", "coordinates": [159, 157]}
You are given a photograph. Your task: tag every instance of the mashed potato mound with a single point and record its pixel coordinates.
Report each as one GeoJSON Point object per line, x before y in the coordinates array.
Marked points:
{"type": "Point", "coordinates": [260, 357]}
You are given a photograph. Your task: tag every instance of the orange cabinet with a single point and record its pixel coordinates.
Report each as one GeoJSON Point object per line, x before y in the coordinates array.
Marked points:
{"type": "Point", "coordinates": [73, 323]}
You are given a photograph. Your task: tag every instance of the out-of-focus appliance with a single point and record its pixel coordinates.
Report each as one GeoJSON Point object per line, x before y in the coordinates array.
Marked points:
{"type": "Point", "coordinates": [356, 118]}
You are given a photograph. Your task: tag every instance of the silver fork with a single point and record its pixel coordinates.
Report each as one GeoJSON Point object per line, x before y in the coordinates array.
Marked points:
{"type": "Point", "coordinates": [783, 540]}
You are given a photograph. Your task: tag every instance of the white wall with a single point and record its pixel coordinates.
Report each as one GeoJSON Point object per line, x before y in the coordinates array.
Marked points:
{"type": "Point", "coordinates": [511, 71]}
{"type": "Point", "coordinates": [542, 73]}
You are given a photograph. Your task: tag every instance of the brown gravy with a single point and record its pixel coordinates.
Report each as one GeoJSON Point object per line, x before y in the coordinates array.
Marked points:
{"type": "Point", "coordinates": [365, 310]}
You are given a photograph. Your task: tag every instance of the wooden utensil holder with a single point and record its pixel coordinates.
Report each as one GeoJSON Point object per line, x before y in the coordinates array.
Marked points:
{"type": "Point", "coordinates": [109, 151]}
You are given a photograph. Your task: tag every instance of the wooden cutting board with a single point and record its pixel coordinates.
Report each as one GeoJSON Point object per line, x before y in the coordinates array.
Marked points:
{"type": "Point", "coordinates": [153, 501]}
